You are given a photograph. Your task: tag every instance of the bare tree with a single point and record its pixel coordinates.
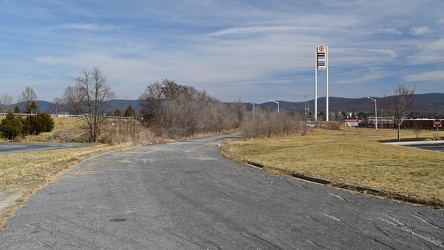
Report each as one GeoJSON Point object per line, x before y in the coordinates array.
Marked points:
{"type": "Point", "coordinates": [240, 110]}
{"type": "Point", "coordinates": [180, 111]}
{"type": "Point", "coordinates": [28, 97]}
{"type": "Point", "coordinates": [400, 105]}
{"type": "Point", "coordinates": [72, 99]}
{"type": "Point", "coordinates": [91, 98]}
{"type": "Point", "coordinates": [150, 101]}
{"type": "Point", "coordinates": [5, 103]}
{"type": "Point", "coordinates": [56, 106]}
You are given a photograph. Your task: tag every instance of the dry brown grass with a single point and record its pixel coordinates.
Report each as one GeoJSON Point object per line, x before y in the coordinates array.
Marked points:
{"type": "Point", "coordinates": [74, 129]}
{"type": "Point", "coordinates": [27, 170]}
{"type": "Point", "coordinates": [351, 157]}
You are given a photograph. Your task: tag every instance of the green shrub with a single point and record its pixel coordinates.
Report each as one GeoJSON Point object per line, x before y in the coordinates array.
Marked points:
{"type": "Point", "coordinates": [11, 126]}
{"type": "Point", "coordinates": [42, 122]}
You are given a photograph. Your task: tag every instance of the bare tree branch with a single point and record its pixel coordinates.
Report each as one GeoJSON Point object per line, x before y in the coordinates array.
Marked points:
{"type": "Point", "coordinates": [5, 102]}
{"type": "Point", "coordinates": [28, 97]}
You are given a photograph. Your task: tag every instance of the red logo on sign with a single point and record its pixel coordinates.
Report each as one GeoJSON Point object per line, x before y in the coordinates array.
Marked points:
{"type": "Point", "coordinates": [321, 48]}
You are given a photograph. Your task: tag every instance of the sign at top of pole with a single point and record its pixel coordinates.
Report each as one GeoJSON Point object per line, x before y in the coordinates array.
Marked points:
{"type": "Point", "coordinates": [321, 57]}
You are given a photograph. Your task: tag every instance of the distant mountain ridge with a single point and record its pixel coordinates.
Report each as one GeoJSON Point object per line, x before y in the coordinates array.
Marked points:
{"type": "Point", "coordinates": [431, 103]}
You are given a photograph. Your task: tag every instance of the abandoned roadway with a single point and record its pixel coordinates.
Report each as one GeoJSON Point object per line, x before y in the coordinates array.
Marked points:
{"type": "Point", "coordinates": [185, 195]}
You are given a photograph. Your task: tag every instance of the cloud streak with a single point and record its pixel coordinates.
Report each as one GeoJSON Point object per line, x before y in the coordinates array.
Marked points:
{"type": "Point", "coordinates": [85, 26]}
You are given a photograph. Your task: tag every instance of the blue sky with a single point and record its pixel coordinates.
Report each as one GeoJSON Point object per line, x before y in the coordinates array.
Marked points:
{"type": "Point", "coordinates": [253, 50]}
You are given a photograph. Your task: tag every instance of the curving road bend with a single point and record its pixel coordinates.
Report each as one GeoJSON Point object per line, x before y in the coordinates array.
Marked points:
{"type": "Point", "coordinates": [184, 195]}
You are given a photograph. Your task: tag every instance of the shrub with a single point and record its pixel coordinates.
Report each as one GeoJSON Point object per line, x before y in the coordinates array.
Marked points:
{"type": "Point", "coordinates": [42, 122]}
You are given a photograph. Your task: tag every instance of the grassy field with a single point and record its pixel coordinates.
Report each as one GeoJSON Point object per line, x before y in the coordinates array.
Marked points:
{"type": "Point", "coordinates": [352, 157]}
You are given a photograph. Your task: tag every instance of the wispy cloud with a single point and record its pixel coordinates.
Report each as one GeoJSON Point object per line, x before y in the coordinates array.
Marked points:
{"type": "Point", "coordinates": [419, 31]}
{"type": "Point", "coordinates": [390, 31]}
{"type": "Point", "coordinates": [429, 52]}
{"type": "Point", "coordinates": [85, 26]}
{"type": "Point", "coordinates": [437, 75]}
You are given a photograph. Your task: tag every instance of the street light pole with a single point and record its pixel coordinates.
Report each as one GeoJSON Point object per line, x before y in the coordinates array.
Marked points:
{"type": "Point", "coordinates": [276, 103]}
{"type": "Point", "coordinates": [252, 103]}
{"type": "Point", "coordinates": [376, 114]}
{"type": "Point", "coordinates": [308, 106]}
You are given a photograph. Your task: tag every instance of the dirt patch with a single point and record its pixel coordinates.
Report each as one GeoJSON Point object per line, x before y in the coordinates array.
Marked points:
{"type": "Point", "coordinates": [9, 200]}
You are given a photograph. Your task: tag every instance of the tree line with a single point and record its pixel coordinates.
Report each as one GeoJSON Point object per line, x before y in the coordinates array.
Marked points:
{"type": "Point", "coordinates": [166, 107]}
{"type": "Point", "coordinates": [169, 110]}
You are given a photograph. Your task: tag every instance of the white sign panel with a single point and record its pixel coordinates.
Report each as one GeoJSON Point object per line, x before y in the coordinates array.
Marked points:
{"type": "Point", "coordinates": [321, 57]}
{"type": "Point", "coordinates": [321, 49]}
{"type": "Point", "coordinates": [351, 122]}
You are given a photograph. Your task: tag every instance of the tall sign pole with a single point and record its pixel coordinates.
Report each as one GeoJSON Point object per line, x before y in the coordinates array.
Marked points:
{"type": "Point", "coordinates": [321, 65]}
{"type": "Point", "coordinates": [326, 72]}
{"type": "Point", "coordinates": [316, 84]}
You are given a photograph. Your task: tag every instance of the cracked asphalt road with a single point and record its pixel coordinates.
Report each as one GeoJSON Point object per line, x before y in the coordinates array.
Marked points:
{"type": "Point", "coordinates": [185, 195]}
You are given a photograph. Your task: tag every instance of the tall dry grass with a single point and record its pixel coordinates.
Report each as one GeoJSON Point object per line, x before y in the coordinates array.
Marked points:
{"type": "Point", "coordinates": [262, 124]}
{"type": "Point", "coordinates": [112, 132]}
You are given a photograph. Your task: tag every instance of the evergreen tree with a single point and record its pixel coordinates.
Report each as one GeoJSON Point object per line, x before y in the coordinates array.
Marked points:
{"type": "Point", "coordinates": [31, 107]}
{"type": "Point", "coordinates": [17, 110]}
{"type": "Point", "coordinates": [11, 126]}
{"type": "Point", "coordinates": [42, 122]}
{"type": "Point", "coordinates": [129, 112]}
{"type": "Point", "coordinates": [118, 112]}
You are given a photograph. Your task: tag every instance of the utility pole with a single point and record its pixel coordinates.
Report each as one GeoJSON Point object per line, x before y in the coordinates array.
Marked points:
{"type": "Point", "coordinates": [376, 112]}
{"type": "Point", "coordinates": [306, 108]}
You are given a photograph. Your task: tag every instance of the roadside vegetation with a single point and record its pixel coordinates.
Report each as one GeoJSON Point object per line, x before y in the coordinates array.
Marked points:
{"type": "Point", "coordinates": [351, 157]}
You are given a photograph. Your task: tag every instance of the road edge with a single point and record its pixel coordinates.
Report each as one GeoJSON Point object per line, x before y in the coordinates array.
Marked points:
{"type": "Point", "coordinates": [360, 189]}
